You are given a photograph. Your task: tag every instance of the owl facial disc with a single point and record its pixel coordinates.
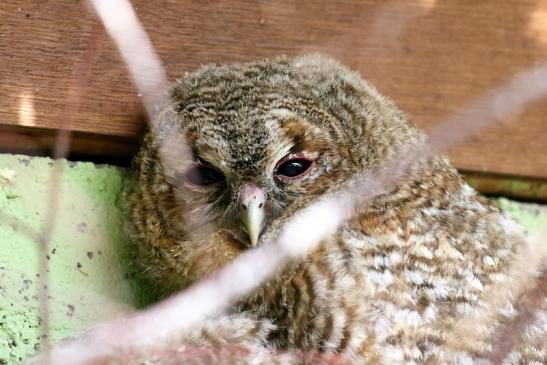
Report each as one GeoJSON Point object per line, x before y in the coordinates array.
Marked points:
{"type": "Point", "coordinates": [253, 199]}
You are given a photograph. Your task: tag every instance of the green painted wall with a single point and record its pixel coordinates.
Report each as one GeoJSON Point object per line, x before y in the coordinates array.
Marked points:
{"type": "Point", "coordinates": [88, 279]}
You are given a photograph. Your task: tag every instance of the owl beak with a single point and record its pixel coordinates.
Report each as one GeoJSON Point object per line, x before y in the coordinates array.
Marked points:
{"type": "Point", "coordinates": [253, 216]}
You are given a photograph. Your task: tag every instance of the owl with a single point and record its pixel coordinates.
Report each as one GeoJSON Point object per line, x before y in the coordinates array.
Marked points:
{"type": "Point", "coordinates": [427, 273]}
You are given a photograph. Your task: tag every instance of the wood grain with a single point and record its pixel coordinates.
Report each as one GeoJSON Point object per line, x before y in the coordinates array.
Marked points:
{"type": "Point", "coordinates": [431, 57]}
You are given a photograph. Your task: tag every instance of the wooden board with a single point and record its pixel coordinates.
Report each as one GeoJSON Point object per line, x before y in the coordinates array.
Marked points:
{"type": "Point", "coordinates": [431, 57]}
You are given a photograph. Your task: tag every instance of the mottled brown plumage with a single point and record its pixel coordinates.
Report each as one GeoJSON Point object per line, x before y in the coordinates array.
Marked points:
{"type": "Point", "coordinates": [399, 282]}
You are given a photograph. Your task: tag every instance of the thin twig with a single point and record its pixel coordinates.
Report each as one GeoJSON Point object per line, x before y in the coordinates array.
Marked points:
{"type": "Point", "coordinates": [527, 308]}
{"type": "Point", "coordinates": [61, 150]}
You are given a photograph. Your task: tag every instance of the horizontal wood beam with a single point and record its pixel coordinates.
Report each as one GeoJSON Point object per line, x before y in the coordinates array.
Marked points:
{"type": "Point", "coordinates": [519, 188]}
{"type": "Point", "coordinates": [83, 146]}
{"type": "Point", "coordinates": [431, 57]}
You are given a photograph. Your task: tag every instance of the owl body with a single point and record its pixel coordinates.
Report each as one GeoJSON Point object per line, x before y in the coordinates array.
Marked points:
{"type": "Point", "coordinates": [423, 274]}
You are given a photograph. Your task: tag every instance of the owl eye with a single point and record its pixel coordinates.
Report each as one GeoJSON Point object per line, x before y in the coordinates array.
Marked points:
{"type": "Point", "coordinates": [294, 167]}
{"type": "Point", "coordinates": [203, 175]}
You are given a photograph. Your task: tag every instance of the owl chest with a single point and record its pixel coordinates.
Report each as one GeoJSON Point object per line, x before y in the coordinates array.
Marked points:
{"type": "Point", "coordinates": [356, 290]}
{"type": "Point", "coordinates": [318, 303]}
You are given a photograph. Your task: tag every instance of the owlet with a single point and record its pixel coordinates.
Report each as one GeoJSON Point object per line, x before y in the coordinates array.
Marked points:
{"type": "Point", "coordinates": [429, 273]}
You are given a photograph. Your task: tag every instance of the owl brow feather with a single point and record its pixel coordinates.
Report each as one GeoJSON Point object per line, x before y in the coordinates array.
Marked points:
{"type": "Point", "coordinates": [213, 294]}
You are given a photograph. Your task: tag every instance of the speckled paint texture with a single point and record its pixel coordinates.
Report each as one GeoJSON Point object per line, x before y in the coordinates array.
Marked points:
{"type": "Point", "coordinates": [87, 254]}
{"type": "Point", "coordinates": [87, 280]}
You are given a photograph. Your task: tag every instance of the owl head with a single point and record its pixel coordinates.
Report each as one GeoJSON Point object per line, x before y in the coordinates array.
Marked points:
{"type": "Point", "coordinates": [264, 139]}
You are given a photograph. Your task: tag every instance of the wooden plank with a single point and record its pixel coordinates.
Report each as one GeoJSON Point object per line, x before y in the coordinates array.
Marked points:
{"type": "Point", "coordinates": [431, 57]}
{"type": "Point", "coordinates": [526, 189]}
{"type": "Point", "coordinates": [83, 146]}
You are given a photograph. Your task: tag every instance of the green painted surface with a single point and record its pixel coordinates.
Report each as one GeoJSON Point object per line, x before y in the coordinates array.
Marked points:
{"type": "Point", "coordinates": [87, 281]}
{"type": "Point", "coordinates": [532, 216]}
{"type": "Point", "coordinates": [87, 254]}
